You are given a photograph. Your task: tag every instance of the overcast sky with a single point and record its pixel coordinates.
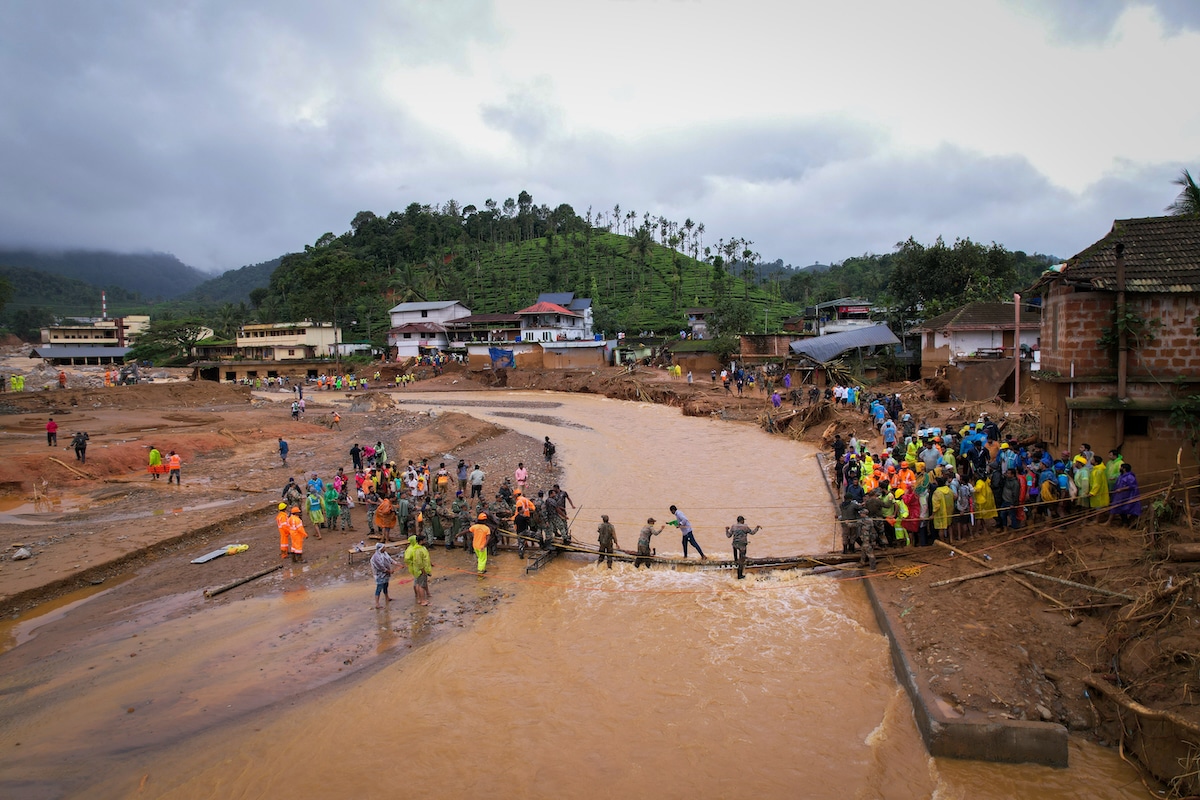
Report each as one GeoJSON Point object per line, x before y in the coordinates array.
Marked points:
{"type": "Point", "coordinates": [231, 132]}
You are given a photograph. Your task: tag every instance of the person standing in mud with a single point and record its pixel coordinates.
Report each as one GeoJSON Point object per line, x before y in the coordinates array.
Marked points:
{"type": "Point", "coordinates": [416, 558]}
{"type": "Point", "coordinates": [356, 457]}
{"type": "Point", "coordinates": [548, 451]}
{"type": "Point", "coordinates": [741, 533]}
{"type": "Point", "coordinates": [52, 433]}
{"type": "Point", "coordinates": [608, 540]}
{"type": "Point", "coordinates": [867, 538]}
{"type": "Point", "coordinates": [79, 442]}
{"type": "Point", "coordinates": [174, 466]}
{"type": "Point", "coordinates": [685, 530]}
{"type": "Point", "coordinates": [296, 535]}
{"type": "Point", "coordinates": [155, 464]}
{"type": "Point", "coordinates": [283, 450]}
{"type": "Point", "coordinates": [383, 566]}
{"type": "Point", "coordinates": [643, 547]}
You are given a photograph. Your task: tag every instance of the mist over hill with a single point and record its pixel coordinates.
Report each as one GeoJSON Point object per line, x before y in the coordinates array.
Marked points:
{"type": "Point", "coordinates": [155, 276]}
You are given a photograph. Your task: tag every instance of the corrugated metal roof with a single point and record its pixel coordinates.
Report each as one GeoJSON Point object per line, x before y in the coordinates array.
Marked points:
{"type": "Point", "coordinates": [78, 351]}
{"type": "Point", "coordinates": [431, 305]}
{"type": "Point", "coordinates": [1162, 254]}
{"type": "Point", "coordinates": [828, 347]}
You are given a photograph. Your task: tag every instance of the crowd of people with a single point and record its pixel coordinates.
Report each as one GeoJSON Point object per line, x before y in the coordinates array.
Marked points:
{"type": "Point", "coordinates": [423, 505]}
{"type": "Point", "coordinates": [925, 484]}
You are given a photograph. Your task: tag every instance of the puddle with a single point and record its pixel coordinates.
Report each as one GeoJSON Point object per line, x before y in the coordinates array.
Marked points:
{"type": "Point", "coordinates": [16, 631]}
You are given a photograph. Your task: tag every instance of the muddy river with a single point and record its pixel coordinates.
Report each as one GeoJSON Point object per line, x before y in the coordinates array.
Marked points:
{"type": "Point", "coordinates": [584, 683]}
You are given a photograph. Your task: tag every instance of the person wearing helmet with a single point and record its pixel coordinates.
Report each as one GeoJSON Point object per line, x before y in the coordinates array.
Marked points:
{"type": "Point", "coordinates": [296, 534]}
{"type": "Point", "coordinates": [480, 533]}
{"type": "Point", "coordinates": [281, 522]}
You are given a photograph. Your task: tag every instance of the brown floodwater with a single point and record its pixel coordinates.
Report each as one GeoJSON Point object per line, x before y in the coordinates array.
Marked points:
{"type": "Point", "coordinates": [585, 682]}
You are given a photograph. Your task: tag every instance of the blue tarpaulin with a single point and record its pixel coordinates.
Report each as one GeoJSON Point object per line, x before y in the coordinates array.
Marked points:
{"type": "Point", "coordinates": [501, 358]}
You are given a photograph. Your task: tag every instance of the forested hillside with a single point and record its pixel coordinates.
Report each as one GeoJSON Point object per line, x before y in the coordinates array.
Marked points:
{"type": "Point", "coordinates": [232, 286]}
{"type": "Point", "coordinates": [499, 262]}
{"type": "Point", "coordinates": [37, 299]}
{"type": "Point", "coordinates": [642, 273]}
{"type": "Point", "coordinates": [153, 275]}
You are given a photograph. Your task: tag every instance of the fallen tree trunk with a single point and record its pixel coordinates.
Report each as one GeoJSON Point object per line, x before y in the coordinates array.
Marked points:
{"type": "Point", "coordinates": [68, 466]}
{"type": "Point", "coordinates": [1183, 552]}
{"type": "Point", "coordinates": [986, 573]}
{"type": "Point", "coordinates": [240, 581]}
{"type": "Point", "coordinates": [1125, 701]}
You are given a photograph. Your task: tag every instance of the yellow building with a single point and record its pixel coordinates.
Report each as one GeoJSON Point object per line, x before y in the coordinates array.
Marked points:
{"type": "Point", "coordinates": [288, 341]}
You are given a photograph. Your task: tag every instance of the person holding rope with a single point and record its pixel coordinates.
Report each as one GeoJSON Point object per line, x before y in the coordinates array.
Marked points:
{"type": "Point", "coordinates": [740, 533]}
{"type": "Point", "coordinates": [643, 549]}
{"type": "Point", "coordinates": [685, 528]}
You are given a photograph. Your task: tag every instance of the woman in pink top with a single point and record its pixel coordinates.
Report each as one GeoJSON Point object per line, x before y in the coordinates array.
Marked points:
{"type": "Point", "coordinates": [521, 475]}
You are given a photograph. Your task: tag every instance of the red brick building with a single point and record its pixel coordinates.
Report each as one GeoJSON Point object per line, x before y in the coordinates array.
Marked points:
{"type": "Point", "coordinates": [1087, 390]}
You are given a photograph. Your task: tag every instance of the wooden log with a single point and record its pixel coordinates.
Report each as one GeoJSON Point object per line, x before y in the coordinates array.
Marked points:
{"type": "Point", "coordinates": [68, 466]}
{"type": "Point", "coordinates": [1183, 552]}
{"type": "Point", "coordinates": [1022, 581]}
{"type": "Point", "coordinates": [1116, 694]}
{"type": "Point", "coordinates": [240, 581]}
{"type": "Point", "coordinates": [1074, 585]}
{"type": "Point", "coordinates": [986, 573]}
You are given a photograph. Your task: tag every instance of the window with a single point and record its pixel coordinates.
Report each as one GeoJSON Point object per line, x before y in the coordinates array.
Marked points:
{"type": "Point", "coordinates": [424, 314]}
{"type": "Point", "coordinates": [291, 352]}
{"type": "Point", "coordinates": [1137, 425]}
{"type": "Point", "coordinates": [408, 336]}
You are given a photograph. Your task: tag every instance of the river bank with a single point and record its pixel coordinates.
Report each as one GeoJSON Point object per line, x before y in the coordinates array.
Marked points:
{"type": "Point", "coordinates": [635, 476]}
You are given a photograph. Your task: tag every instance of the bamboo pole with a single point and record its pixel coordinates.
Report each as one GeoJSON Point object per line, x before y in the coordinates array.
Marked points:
{"type": "Point", "coordinates": [1022, 581]}
{"type": "Point", "coordinates": [1074, 585]}
{"type": "Point", "coordinates": [68, 466]}
{"type": "Point", "coordinates": [240, 581]}
{"type": "Point", "coordinates": [986, 573]}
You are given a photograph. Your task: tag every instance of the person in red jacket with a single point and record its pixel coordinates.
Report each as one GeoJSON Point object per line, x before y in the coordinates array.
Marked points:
{"type": "Point", "coordinates": [51, 433]}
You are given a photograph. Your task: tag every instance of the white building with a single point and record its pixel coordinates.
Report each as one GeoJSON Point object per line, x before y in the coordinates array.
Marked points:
{"type": "Point", "coordinates": [579, 305]}
{"type": "Point", "coordinates": [420, 327]}
{"type": "Point", "coordinates": [548, 322]}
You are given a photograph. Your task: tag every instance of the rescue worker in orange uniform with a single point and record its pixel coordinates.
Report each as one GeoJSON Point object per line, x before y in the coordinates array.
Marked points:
{"type": "Point", "coordinates": [296, 534]}
{"type": "Point", "coordinates": [480, 533]}
{"type": "Point", "coordinates": [524, 512]}
{"type": "Point", "coordinates": [281, 522]}
{"type": "Point", "coordinates": [174, 463]}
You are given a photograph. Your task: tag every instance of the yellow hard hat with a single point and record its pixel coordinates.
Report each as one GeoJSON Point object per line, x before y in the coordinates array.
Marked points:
{"type": "Point", "coordinates": [282, 506]}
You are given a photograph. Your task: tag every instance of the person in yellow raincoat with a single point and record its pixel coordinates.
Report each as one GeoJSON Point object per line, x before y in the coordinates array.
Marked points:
{"type": "Point", "coordinates": [1098, 484]}
{"type": "Point", "coordinates": [901, 512]}
{"type": "Point", "coordinates": [985, 501]}
{"type": "Point", "coordinates": [942, 504]}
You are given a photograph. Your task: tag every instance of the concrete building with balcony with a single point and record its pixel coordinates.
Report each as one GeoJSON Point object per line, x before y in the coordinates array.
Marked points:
{"type": "Point", "coordinates": [288, 341]}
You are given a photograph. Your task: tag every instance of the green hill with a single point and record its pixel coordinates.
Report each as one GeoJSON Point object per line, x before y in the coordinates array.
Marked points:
{"type": "Point", "coordinates": [497, 263]}
{"type": "Point", "coordinates": [152, 275]}
{"type": "Point", "coordinates": [233, 286]}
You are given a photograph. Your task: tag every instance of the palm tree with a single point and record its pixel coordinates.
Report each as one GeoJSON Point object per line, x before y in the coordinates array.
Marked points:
{"type": "Point", "coordinates": [1187, 204]}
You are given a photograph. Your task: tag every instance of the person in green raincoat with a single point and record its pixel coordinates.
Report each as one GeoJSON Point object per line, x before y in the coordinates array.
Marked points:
{"type": "Point", "coordinates": [1113, 469]}
{"type": "Point", "coordinates": [330, 505]}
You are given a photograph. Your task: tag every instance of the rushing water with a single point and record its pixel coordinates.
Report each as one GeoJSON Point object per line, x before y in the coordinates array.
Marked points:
{"type": "Point", "coordinates": [590, 682]}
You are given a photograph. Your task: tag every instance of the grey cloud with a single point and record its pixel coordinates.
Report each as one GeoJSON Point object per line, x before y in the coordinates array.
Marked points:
{"type": "Point", "coordinates": [1089, 20]}
{"type": "Point", "coordinates": [140, 126]}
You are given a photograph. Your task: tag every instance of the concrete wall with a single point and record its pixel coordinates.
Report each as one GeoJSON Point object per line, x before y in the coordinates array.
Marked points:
{"type": "Point", "coordinates": [574, 358]}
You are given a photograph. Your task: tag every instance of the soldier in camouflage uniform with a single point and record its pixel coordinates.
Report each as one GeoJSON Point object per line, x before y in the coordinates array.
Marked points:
{"type": "Point", "coordinates": [848, 514]}
{"type": "Point", "coordinates": [867, 538]}
{"type": "Point", "coordinates": [537, 521]}
{"type": "Point", "coordinates": [460, 511]}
